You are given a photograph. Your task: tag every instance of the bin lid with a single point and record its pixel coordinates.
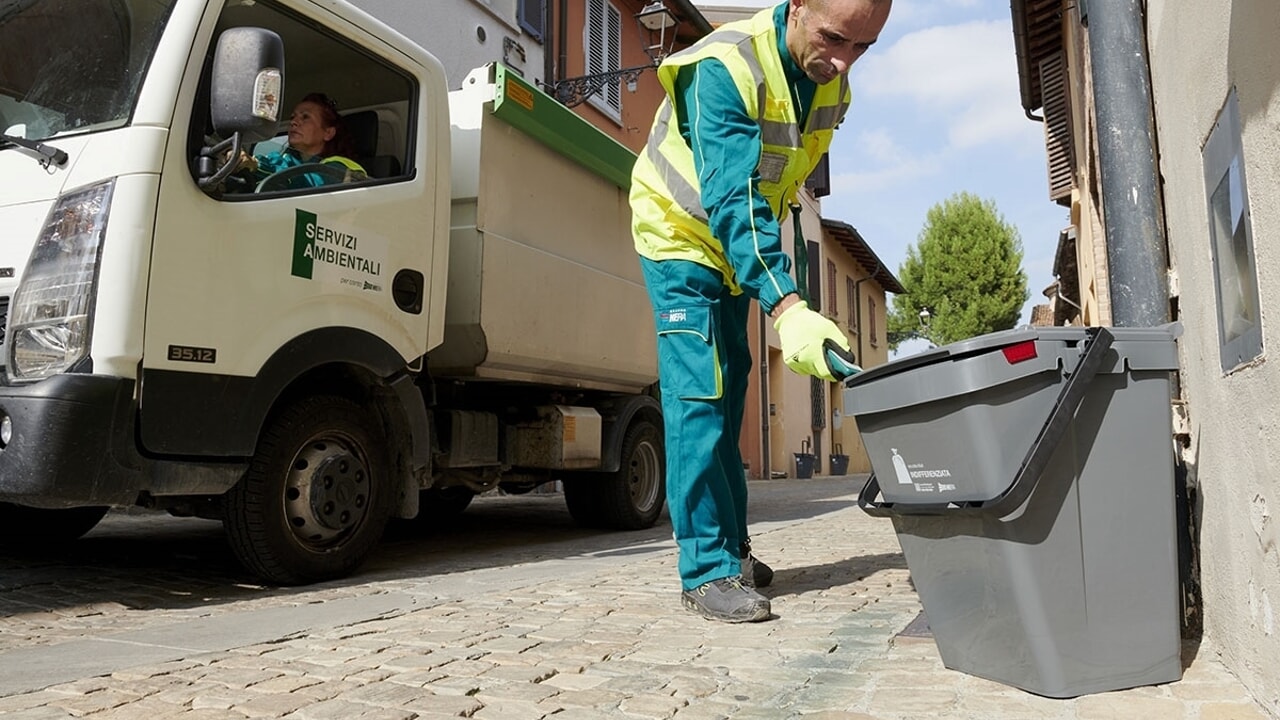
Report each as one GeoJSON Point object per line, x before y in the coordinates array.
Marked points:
{"type": "Point", "coordinates": [1142, 348]}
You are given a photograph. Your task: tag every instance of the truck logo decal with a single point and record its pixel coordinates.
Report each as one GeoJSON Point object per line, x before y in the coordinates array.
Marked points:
{"type": "Point", "coordinates": [330, 253]}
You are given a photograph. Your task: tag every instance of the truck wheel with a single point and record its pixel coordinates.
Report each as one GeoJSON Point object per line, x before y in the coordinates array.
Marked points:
{"type": "Point", "coordinates": [316, 497]}
{"type": "Point", "coordinates": [42, 525]}
{"type": "Point", "coordinates": [632, 497]}
{"type": "Point", "coordinates": [582, 497]}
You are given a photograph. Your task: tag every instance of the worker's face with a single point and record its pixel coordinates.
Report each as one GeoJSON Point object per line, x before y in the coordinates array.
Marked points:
{"type": "Point", "coordinates": [307, 131]}
{"type": "Point", "coordinates": [825, 37]}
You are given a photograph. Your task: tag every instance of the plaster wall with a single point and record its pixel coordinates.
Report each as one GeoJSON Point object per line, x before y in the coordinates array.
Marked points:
{"type": "Point", "coordinates": [1198, 52]}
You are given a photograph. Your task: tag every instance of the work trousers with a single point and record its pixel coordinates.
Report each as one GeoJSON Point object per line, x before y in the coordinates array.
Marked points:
{"type": "Point", "coordinates": [703, 365]}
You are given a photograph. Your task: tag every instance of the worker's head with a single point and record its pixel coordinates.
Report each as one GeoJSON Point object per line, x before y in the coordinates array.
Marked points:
{"type": "Point", "coordinates": [825, 37]}
{"type": "Point", "coordinates": [313, 125]}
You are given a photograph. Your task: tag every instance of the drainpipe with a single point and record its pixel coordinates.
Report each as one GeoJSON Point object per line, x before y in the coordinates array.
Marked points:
{"type": "Point", "coordinates": [548, 47]}
{"type": "Point", "coordinates": [1127, 161]}
{"type": "Point", "coordinates": [562, 40]}
{"type": "Point", "coordinates": [766, 463]}
{"type": "Point", "coordinates": [857, 313]}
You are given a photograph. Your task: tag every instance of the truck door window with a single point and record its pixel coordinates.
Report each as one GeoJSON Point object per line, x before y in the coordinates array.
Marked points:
{"type": "Point", "coordinates": [345, 119]}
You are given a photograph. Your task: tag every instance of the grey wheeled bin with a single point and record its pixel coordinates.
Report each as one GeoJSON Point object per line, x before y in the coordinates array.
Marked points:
{"type": "Point", "coordinates": [1029, 476]}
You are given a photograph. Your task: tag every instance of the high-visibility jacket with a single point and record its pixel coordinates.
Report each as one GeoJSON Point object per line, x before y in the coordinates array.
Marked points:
{"type": "Point", "coordinates": [668, 219]}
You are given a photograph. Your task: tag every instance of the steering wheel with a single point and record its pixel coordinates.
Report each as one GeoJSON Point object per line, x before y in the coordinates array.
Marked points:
{"type": "Point", "coordinates": [330, 173]}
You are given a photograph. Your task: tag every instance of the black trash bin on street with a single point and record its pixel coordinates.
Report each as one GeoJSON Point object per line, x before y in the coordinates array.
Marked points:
{"type": "Point", "coordinates": [1029, 477]}
{"type": "Point", "coordinates": [804, 461]}
{"type": "Point", "coordinates": [839, 461]}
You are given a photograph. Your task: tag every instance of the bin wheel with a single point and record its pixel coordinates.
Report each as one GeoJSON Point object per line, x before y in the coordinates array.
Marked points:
{"type": "Point", "coordinates": [47, 525]}
{"type": "Point", "coordinates": [630, 498]}
{"type": "Point", "coordinates": [317, 494]}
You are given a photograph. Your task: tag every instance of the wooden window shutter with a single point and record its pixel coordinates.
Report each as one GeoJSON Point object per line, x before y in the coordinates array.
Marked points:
{"type": "Point", "coordinates": [851, 292]}
{"type": "Point", "coordinates": [871, 321]}
{"type": "Point", "coordinates": [832, 305]}
{"type": "Point", "coordinates": [603, 48]}
{"type": "Point", "coordinates": [1057, 128]}
{"type": "Point", "coordinates": [531, 14]}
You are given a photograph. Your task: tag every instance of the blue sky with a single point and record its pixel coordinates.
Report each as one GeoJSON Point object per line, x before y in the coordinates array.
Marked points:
{"type": "Point", "coordinates": [936, 111]}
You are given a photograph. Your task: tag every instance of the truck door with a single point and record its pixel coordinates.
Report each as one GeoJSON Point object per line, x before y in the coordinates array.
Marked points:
{"type": "Point", "coordinates": [309, 254]}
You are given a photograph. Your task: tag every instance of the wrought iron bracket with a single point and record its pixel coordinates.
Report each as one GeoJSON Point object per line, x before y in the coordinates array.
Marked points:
{"type": "Point", "coordinates": [575, 91]}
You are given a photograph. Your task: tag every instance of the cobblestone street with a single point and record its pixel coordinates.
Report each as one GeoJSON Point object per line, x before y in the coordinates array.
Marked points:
{"type": "Point", "coordinates": [512, 613]}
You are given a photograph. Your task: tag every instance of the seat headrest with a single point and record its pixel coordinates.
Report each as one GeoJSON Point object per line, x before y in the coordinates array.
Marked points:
{"type": "Point", "coordinates": [363, 126]}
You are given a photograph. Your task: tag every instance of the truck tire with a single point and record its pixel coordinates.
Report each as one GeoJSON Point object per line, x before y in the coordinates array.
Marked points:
{"type": "Point", "coordinates": [317, 494]}
{"type": "Point", "coordinates": [582, 497]}
{"type": "Point", "coordinates": [632, 497]}
{"type": "Point", "coordinates": [42, 525]}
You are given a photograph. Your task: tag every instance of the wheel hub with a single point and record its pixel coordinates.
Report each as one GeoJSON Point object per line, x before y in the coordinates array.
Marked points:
{"type": "Point", "coordinates": [643, 481]}
{"type": "Point", "coordinates": [327, 492]}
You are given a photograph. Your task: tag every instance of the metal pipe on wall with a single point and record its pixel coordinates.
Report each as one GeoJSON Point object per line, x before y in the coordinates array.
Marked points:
{"type": "Point", "coordinates": [1127, 162]}
{"type": "Point", "coordinates": [549, 49]}
{"type": "Point", "coordinates": [562, 40]}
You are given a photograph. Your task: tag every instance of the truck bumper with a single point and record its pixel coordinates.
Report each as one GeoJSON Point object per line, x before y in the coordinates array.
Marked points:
{"type": "Point", "coordinates": [72, 442]}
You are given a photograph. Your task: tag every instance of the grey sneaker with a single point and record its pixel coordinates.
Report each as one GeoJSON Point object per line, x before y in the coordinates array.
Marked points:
{"type": "Point", "coordinates": [727, 600]}
{"type": "Point", "coordinates": [755, 573]}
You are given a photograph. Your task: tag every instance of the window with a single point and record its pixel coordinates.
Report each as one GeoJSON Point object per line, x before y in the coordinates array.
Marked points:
{"type": "Point", "coordinates": [851, 297]}
{"type": "Point", "coordinates": [814, 276]}
{"type": "Point", "coordinates": [373, 102]}
{"type": "Point", "coordinates": [1231, 239]}
{"type": "Point", "coordinates": [832, 305]}
{"type": "Point", "coordinates": [531, 14]}
{"type": "Point", "coordinates": [603, 48]}
{"type": "Point", "coordinates": [871, 321]}
{"type": "Point", "coordinates": [819, 181]}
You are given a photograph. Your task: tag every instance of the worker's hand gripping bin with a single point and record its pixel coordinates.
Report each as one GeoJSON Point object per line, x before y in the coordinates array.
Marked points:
{"type": "Point", "coordinates": [1029, 476]}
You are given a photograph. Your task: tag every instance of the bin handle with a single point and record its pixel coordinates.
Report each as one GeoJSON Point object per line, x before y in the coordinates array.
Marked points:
{"type": "Point", "coordinates": [1097, 342]}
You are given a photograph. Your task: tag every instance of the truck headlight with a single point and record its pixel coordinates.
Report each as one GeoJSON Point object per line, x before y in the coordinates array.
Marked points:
{"type": "Point", "coordinates": [52, 311]}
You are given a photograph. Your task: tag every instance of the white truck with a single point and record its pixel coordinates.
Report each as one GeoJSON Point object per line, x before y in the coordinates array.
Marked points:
{"type": "Point", "coordinates": [304, 364]}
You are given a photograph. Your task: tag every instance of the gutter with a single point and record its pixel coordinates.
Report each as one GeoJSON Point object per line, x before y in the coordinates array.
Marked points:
{"type": "Point", "coordinates": [692, 14]}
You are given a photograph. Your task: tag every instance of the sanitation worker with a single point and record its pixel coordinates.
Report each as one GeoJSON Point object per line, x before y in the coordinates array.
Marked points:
{"type": "Point", "coordinates": [749, 111]}
{"type": "Point", "coordinates": [318, 138]}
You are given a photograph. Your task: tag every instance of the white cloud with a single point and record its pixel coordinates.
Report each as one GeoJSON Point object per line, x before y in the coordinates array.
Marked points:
{"type": "Point", "coordinates": [887, 164]}
{"type": "Point", "coordinates": [916, 13]}
{"type": "Point", "coordinates": [964, 76]}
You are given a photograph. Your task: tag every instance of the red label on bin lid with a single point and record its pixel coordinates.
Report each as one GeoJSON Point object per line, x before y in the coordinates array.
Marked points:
{"type": "Point", "coordinates": [1022, 351]}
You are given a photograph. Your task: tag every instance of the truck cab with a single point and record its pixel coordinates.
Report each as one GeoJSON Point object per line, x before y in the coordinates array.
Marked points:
{"type": "Point", "coordinates": [188, 334]}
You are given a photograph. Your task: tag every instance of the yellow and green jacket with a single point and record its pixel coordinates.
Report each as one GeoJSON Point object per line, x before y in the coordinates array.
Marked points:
{"type": "Point", "coordinates": [740, 130]}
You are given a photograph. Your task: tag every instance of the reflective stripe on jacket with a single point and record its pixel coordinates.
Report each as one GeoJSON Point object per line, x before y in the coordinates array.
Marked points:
{"type": "Point", "coordinates": [668, 219]}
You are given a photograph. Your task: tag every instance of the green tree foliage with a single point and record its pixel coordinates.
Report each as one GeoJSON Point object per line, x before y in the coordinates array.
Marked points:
{"type": "Point", "coordinates": [965, 269]}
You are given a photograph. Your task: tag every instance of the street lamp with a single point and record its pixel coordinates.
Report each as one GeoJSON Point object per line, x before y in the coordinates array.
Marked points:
{"type": "Point", "coordinates": [925, 318]}
{"type": "Point", "coordinates": [656, 18]}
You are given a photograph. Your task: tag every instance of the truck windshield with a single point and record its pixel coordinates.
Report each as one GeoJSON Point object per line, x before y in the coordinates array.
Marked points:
{"type": "Point", "coordinates": [71, 66]}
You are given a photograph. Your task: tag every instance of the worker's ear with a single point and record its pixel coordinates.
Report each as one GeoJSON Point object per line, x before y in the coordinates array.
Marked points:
{"type": "Point", "coordinates": [329, 132]}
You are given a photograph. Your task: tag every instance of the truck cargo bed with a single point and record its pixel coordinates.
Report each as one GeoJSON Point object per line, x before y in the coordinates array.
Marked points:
{"type": "Point", "coordinates": [544, 284]}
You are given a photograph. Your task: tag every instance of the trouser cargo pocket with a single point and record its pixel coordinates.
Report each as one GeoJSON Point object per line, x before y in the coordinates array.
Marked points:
{"type": "Point", "coordinates": [689, 361]}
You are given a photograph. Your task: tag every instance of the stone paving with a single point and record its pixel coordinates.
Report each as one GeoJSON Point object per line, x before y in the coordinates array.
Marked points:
{"type": "Point", "coordinates": [595, 631]}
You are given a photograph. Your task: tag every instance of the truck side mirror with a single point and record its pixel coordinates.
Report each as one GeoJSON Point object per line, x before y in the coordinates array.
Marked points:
{"type": "Point", "coordinates": [247, 83]}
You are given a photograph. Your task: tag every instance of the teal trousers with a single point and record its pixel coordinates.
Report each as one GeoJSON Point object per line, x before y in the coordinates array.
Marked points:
{"type": "Point", "coordinates": [703, 364]}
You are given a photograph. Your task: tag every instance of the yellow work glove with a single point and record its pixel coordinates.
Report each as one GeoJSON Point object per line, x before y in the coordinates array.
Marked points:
{"type": "Point", "coordinates": [812, 344]}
